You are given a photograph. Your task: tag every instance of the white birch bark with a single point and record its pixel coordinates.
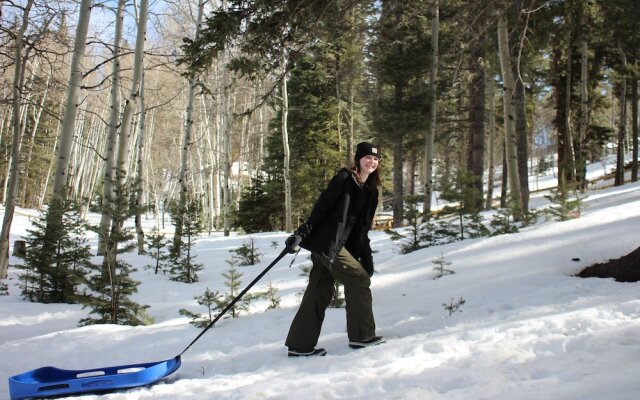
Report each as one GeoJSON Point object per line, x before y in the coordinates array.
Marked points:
{"type": "Point", "coordinates": [431, 133]}
{"type": "Point", "coordinates": [491, 95]}
{"type": "Point", "coordinates": [584, 105]}
{"type": "Point", "coordinates": [140, 167]}
{"type": "Point", "coordinates": [45, 184]}
{"type": "Point", "coordinates": [209, 167]}
{"type": "Point", "coordinates": [112, 138]}
{"type": "Point", "coordinates": [509, 109]}
{"type": "Point", "coordinates": [127, 116]}
{"type": "Point", "coordinates": [36, 116]}
{"type": "Point", "coordinates": [622, 126]}
{"type": "Point", "coordinates": [187, 134]}
{"type": "Point", "coordinates": [12, 185]}
{"type": "Point", "coordinates": [71, 107]}
{"type": "Point", "coordinates": [570, 155]}
{"type": "Point", "coordinates": [226, 149]}
{"type": "Point", "coordinates": [287, 155]}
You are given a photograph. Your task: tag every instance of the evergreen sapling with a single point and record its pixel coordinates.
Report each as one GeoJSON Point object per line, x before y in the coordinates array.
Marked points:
{"type": "Point", "coordinates": [156, 245]}
{"type": "Point", "coordinates": [210, 300]}
{"type": "Point", "coordinates": [248, 253]}
{"type": "Point", "coordinates": [110, 285]}
{"type": "Point", "coordinates": [58, 257]}
{"type": "Point", "coordinates": [181, 256]}
{"type": "Point", "coordinates": [233, 282]}
{"type": "Point", "coordinates": [440, 266]}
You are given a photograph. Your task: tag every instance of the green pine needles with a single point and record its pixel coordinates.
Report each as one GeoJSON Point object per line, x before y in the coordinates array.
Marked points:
{"type": "Point", "coordinates": [563, 206]}
{"type": "Point", "coordinates": [156, 249]}
{"type": "Point", "coordinates": [210, 301]}
{"type": "Point", "coordinates": [248, 253]}
{"type": "Point", "coordinates": [183, 267]}
{"type": "Point", "coordinates": [215, 302]}
{"type": "Point", "coordinates": [110, 284]}
{"type": "Point", "coordinates": [58, 255]}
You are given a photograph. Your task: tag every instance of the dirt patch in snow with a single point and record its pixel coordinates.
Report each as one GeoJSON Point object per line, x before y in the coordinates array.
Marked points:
{"type": "Point", "coordinates": [623, 269]}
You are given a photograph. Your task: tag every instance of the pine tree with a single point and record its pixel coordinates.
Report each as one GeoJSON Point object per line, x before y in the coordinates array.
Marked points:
{"type": "Point", "coordinates": [400, 62]}
{"type": "Point", "coordinates": [182, 260]}
{"type": "Point", "coordinates": [255, 208]}
{"type": "Point", "coordinates": [415, 237]}
{"type": "Point", "coordinates": [313, 139]}
{"type": "Point", "coordinates": [564, 207]}
{"type": "Point", "coordinates": [503, 222]}
{"type": "Point", "coordinates": [156, 244]}
{"type": "Point", "coordinates": [110, 285]}
{"type": "Point", "coordinates": [272, 296]}
{"type": "Point", "coordinates": [248, 253]}
{"type": "Point", "coordinates": [463, 197]}
{"type": "Point", "coordinates": [440, 266]}
{"type": "Point", "coordinates": [233, 282]}
{"type": "Point", "coordinates": [58, 257]}
{"type": "Point", "coordinates": [210, 300]}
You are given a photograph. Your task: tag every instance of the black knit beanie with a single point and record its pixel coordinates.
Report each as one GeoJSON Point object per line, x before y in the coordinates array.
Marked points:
{"type": "Point", "coordinates": [366, 149]}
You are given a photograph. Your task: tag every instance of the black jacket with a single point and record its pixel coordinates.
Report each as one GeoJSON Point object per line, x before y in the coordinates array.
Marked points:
{"type": "Point", "coordinates": [341, 218]}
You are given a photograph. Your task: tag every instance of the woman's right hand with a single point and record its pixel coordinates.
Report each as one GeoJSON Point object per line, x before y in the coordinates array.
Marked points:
{"type": "Point", "coordinates": [292, 243]}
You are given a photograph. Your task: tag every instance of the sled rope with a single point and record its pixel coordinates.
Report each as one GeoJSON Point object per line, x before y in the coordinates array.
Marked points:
{"type": "Point", "coordinates": [235, 300]}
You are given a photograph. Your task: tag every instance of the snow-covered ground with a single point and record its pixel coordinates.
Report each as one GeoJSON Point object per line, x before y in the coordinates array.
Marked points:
{"type": "Point", "coordinates": [527, 329]}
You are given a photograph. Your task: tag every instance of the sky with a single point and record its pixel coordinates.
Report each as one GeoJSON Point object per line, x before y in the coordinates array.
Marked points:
{"type": "Point", "coordinates": [528, 329]}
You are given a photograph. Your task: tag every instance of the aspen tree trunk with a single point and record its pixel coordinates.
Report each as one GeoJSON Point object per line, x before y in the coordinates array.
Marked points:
{"type": "Point", "coordinates": [124, 137]}
{"type": "Point", "coordinates": [71, 107]}
{"type": "Point", "coordinates": [287, 155]}
{"type": "Point", "coordinates": [140, 167]}
{"type": "Point", "coordinates": [431, 133]}
{"type": "Point", "coordinates": [491, 94]}
{"type": "Point", "coordinates": [187, 140]}
{"type": "Point", "coordinates": [634, 127]}
{"type": "Point", "coordinates": [510, 129]}
{"type": "Point", "coordinates": [37, 114]}
{"type": "Point", "coordinates": [76, 161]}
{"type": "Point", "coordinates": [622, 127]}
{"type": "Point", "coordinates": [226, 150]}
{"type": "Point", "coordinates": [112, 137]}
{"type": "Point", "coordinates": [3, 123]}
{"type": "Point", "coordinates": [96, 167]}
{"type": "Point", "coordinates": [584, 111]}
{"type": "Point", "coordinates": [398, 177]}
{"type": "Point", "coordinates": [261, 134]}
{"type": "Point", "coordinates": [570, 156]}
{"type": "Point", "coordinates": [125, 127]}
{"type": "Point", "coordinates": [12, 185]}
{"type": "Point", "coordinates": [24, 121]}
{"type": "Point", "coordinates": [210, 167]}
{"type": "Point", "coordinates": [52, 161]}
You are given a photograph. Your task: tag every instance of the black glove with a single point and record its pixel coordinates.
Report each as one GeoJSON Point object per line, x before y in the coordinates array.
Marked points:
{"type": "Point", "coordinates": [294, 240]}
{"type": "Point", "coordinates": [367, 264]}
{"type": "Point", "coordinates": [292, 243]}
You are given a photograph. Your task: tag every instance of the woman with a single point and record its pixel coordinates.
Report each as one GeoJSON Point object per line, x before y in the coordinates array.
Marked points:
{"type": "Point", "coordinates": [336, 234]}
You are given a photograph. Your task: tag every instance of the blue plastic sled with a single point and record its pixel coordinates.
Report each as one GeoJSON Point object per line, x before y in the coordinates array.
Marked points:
{"type": "Point", "coordinates": [51, 381]}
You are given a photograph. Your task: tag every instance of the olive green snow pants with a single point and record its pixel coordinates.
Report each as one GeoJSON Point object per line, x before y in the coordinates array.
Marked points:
{"type": "Point", "coordinates": [306, 325]}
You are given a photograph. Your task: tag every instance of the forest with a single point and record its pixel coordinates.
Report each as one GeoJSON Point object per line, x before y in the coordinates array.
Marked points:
{"type": "Point", "coordinates": [232, 115]}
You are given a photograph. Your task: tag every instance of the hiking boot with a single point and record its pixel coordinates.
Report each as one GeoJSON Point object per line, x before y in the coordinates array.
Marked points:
{"type": "Point", "coordinates": [360, 344]}
{"type": "Point", "coordinates": [306, 353]}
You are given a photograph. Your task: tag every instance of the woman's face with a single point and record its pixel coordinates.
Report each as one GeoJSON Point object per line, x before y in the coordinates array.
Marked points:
{"type": "Point", "coordinates": [368, 164]}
